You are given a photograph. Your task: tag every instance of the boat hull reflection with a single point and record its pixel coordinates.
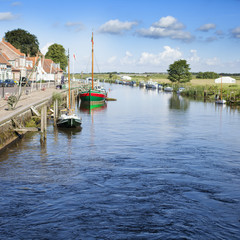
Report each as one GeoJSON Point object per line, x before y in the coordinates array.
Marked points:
{"type": "Point", "coordinates": [88, 108]}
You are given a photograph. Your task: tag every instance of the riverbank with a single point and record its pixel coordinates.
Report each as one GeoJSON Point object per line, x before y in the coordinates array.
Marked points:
{"type": "Point", "coordinates": [9, 119]}
{"type": "Point", "coordinates": [205, 89]}
{"type": "Point", "coordinates": [23, 112]}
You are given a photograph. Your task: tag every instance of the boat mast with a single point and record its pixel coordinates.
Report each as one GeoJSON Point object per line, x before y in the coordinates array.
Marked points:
{"type": "Point", "coordinates": [92, 61]}
{"type": "Point", "coordinates": [69, 90]}
{"type": "Point", "coordinates": [221, 87]}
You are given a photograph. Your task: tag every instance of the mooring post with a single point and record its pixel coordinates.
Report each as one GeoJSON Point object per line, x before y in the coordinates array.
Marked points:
{"type": "Point", "coordinates": [43, 124]}
{"type": "Point", "coordinates": [55, 115]}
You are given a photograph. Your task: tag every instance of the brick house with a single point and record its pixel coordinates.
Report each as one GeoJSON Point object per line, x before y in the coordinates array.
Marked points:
{"type": "Point", "coordinates": [22, 66]}
{"type": "Point", "coordinates": [15, 58]}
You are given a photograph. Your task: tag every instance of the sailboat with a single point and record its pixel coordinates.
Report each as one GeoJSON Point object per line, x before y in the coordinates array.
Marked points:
{"type": "Point", "coordinates": [69, 119]}
{"type": "Point", "coordinates": [220, 100]}
{"type": "Point", "coordinates": [93, 96]}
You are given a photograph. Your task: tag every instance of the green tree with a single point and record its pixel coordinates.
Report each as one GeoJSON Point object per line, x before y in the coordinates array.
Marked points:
{"type": "Point", "coordinates": [179, 72]}
{"type": "Point", "coordinates": [23, 40]}
{"type": "Point", "coordinates": [56, 52]}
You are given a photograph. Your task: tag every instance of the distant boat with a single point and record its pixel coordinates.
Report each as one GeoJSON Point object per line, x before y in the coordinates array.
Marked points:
{"type": "Point", "coordinates": [142, 84]}
{"type": "Point", "coordinates": [151, 84]}
{"type": "Point", "coordinates": [93, 96]}
{"type": "Point", "coordinates": [220, 100]}
{"type": "Point", "coordinates": [168, 89]}
{"type": "Point", "coordinates": [180, 90]}
{"type": "Point", "coordinates": [160, 87]}
{"type": "Point", "coordinates": [69, 119]}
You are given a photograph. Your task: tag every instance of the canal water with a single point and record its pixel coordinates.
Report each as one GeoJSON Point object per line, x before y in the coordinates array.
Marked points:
{"type": "Point", "coordinates": [151, 165]}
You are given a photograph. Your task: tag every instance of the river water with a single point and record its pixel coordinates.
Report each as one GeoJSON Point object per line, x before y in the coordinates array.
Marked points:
{"type": "Point", "coordinates": [151, 165]}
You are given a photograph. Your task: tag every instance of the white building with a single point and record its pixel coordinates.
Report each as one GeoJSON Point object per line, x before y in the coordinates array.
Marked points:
{"type": "Point", "coordinates": [126, 78]}
{"type": "Point", "coordinates": [5, 68]}
{"type": "Point", "coordinates": [225, 80]}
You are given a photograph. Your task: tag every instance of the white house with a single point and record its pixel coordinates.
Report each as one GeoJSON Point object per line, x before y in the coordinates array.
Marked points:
{"type": "Point", "coordinates": [46, 70]}
{"type": "Point", "coordinates": [5, 68]}
{"type": "Point", "coordinates": [225, 80]}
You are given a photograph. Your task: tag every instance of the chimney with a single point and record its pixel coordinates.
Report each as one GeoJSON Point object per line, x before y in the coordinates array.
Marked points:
{"type": "Point", "coordinates": [3, 39]}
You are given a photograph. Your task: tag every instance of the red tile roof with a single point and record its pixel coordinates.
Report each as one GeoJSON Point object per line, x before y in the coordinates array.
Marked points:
{"type": "Point", "coordinates": [3, 60]}
{"type": "Point", "coordinates": [17, 51]}
{"type": "Point", "coordinates": [50, 67]}
{"type": "Point", "coordinates": [47, 64]}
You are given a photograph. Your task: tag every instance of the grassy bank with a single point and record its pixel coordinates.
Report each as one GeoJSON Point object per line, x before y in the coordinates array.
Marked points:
{"type": "Point", "coordinates": [201, 88]}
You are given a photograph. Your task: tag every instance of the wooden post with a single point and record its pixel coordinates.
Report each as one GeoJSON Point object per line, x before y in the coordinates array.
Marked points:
{"type": "Point", "coordinates": [55, 114]}
{"type": "Point", "coordinates": [56, 108]}
{"type": "Point", "coordinates": [43, 124]}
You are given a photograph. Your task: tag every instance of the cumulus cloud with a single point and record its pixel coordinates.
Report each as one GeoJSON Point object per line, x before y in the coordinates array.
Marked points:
{"type": "Point", "coordinates": [44, 49]}
{"type": "Point", "coordinates": [166, 57]}
{"type": "Point", "coordinates": [194, 58]}
{"type": "Point", "coordinates": [236, 32]}
{"type": "Point", "coordinates": [6, 16]}
{"type": "Point", "coordinates": [207, 27]}
{"type": "Point", "coordinates": [76, 26]}
{"type": "Point", "coordinates": [166, 27]}
{"type": "Point", "coordinates": [116, 26]}
{"type": "Point", "coordinates": [128, 59]}
{"type": "Point", "coordinates": [168, 22]}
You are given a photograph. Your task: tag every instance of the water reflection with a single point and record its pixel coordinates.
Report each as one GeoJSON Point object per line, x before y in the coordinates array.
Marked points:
{"type": "Point", "coordinates": [86, 108]}
{"type": "Point", "coordinates": [178, 102]}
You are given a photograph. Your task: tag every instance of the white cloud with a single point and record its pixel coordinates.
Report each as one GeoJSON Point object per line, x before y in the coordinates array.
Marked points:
{"type": "Point", "coordinates": [166, 27]}
{"type": "Point", "coordinates": [207, 27]}
{"type": "Point", "coordinates": [128, 59]}
{"type": "Point", "coordinates": [168, 22]}
{"type": "Point", "coordinates": [164, 58]}
{"type": "Point", "coordinates": [77, 26]}
{"type": "Point", "coordinates": [194, 58]}
{"type": "Point", "coordinates": [116, 26]}
{"type": "Point", "coordinates": [44, 49]}
{"type": "Point", "coordinates": [236, 32]}
{"type": "Point", "coordinates": [128, 54]}
{"type": "Point", "coordinates": [6, 16]}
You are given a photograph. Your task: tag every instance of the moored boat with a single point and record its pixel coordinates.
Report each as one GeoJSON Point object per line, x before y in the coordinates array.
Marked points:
{"type": "Point", "coordinates": [142, 84]}
{"type": "Point", "coordinates": [94, 95]}
{"type": "Point", "coordinates": [69, 119]}
{"type": "Point", "coordinates": [151, 84]}
{"type": "Point", "coordinates": [168, 89]}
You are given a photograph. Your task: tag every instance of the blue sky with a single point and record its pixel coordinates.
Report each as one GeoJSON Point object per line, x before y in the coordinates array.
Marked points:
{"type": "Point", "coordinates": [134, 35]}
